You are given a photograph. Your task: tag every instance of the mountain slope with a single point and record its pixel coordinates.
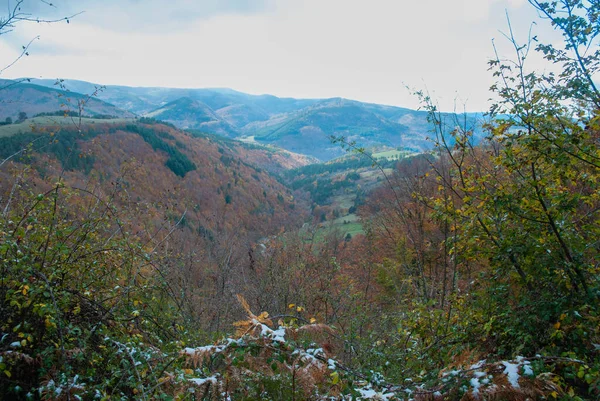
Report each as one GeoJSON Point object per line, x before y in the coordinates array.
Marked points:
{"type": "Point", "coordinates": [240, 115]}
{"type": "Point", "coordinates": [309, 130]}
{"type": "Point", "coordinates": [34, 99]}
{"type": "Point", "coordinates": [211, 183]}
{"type": "Point", "coordinates": [298, 125]}
{"type": "Point", "coordinates": [141, 100]}
{"type": "Point", "coordinates": [188, 113]}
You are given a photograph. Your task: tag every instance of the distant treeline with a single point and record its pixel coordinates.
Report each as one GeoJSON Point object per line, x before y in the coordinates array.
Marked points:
{"type": "Point", "coordinates": [154, 121]}
{"type": "Point", "coordinates": [348, 163]}
{"type": "Point", "coordinates": [72, 113]}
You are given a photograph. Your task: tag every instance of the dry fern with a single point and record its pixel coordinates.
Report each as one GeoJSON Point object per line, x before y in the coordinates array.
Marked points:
{"type": "Point", "coordinates": [253, 322]}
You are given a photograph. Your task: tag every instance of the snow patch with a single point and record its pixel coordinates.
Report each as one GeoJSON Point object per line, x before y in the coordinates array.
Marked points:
{"type": "Point", "coordinates": [478, 364]}
{"type": "Point", "coordinates": [511, 370]}
{"type": "Point", "coordinates": [201, 381]}
{"type": "Point", "coordinates": [367, 393]}
{"type": "Point", "coordinates": [475, 384]}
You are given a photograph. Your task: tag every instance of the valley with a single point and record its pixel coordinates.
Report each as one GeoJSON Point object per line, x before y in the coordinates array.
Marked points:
{"type": "Point", "coordinates": [198, 243]}
{"type": "Point", "coordinates": [263, 131]}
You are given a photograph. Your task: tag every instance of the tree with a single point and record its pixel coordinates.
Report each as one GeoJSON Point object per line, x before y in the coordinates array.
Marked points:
{"type": "Point", "coordinates": [22, 117]}
{"type": "Point", "coordinates": [526, 200]}
{"type": "Point", "coordinates": [8, 120]}
{"type": "Point", "coordinates": [494, 247]}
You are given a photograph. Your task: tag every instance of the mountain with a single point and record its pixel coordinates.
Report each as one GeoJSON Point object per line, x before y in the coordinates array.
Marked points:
{"type": "Point", "coordinates": [240, 115]}
{"type": "Point", "coordinates": [141, 101]}
{"type": "Point", "coordinates": [309, 130]}
{"type": "Point", "coordinates": [16, 97]}
{"type": "Point", "coordinates": [188, 113]}
{"type": "Point", "coordinates": [298, 125]}
{"type": "Point", "coordinates": [218, 185]}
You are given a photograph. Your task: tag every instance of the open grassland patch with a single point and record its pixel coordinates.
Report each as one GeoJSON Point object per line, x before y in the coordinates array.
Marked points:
{"type": "Point", "coordinates": [392, 154]}
{"type": "Point", "coordinates": [31, 124]}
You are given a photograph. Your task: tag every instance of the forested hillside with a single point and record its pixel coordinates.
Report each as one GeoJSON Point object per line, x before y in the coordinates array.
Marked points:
{"type": "Point", "coordinates": [298, 125]}
{"type": "Point", "coordinates": [141, 261]}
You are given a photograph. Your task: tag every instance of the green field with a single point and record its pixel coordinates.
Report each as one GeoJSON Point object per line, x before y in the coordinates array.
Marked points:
{"type": "Point", "coordinates": [349, 224]}
{"type": "Point", "coordinates": [350, 218]}
{"type": "Point", "coordinates": [249, 139]}
{"type": "Point", "coordinates": [392, 154]}
{"type": "Point", "coordinates": [30, 124]}
{"type": "Point", "coordinates": [344, 225]}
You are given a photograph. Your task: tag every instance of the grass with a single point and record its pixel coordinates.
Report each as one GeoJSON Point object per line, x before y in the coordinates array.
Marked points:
{"type": "Point", "coordinates": [351, 226]}
{"type": "Point", "coordinates": [344, 201]}
{"type": "Point", "coordinates": [392, 154]}
{"type": "Point", "coordinates": [351, 218]}
{"type": "Point", "coordinates": [249, 139]}
{"type": "Point", "coordinates": [370, 176]}
{"type": "Point", "coordinates": [344, 229]}
{"type": "Point", "coordinates": [352, 229]}
{"type": "Point", "coordinates": [30, 124]}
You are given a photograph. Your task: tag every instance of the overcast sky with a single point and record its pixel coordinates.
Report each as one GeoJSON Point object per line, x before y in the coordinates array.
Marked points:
{"type": "Point", "coordinates": [367, 50]}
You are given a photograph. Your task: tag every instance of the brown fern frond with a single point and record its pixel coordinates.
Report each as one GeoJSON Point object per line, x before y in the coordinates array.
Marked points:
{"type": "Point", "coordinates": [253, 322]}
{"type": "Point", "coordinates": [243, 327]}
{"type": "Point", "coordinates": [245, 305]}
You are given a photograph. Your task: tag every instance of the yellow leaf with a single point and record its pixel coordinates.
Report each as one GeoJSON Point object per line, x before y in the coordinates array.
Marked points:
{"type": "Point", "coordinates": [188, 371]}
{"type": "Point", "coordinates": [312, 320]}
{"type": "Point", "coordinates": [557, 325]}
{"type": "Point", "coordinates": [291, 306]}
{"type": "Point", "coordinates": [7, 373]}
{"type": "Point", "coordinates": [335, 378]}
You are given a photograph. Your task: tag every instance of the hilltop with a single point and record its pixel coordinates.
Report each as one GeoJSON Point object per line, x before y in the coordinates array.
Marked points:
{"type": "Point", "coordinates": [299, 125]}
{"type": "Point", "coordinates": [16, 97]}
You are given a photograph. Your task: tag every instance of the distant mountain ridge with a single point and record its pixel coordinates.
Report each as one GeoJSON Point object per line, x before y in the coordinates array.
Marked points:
{"type": "Point", "coordinates": [32, 99]}
{"type": "Point", "coordinates": [298, 125]}
{"type": "Point", "coordinates": [188, 113]}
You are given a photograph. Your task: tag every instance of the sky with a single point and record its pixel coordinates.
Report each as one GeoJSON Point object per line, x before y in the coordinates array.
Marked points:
{"type": "Point", "coordinates": [367, 50]}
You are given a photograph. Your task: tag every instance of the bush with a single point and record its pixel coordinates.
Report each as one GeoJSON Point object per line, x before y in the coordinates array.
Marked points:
{"type": "Point", "coordinates": [80, 313]}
